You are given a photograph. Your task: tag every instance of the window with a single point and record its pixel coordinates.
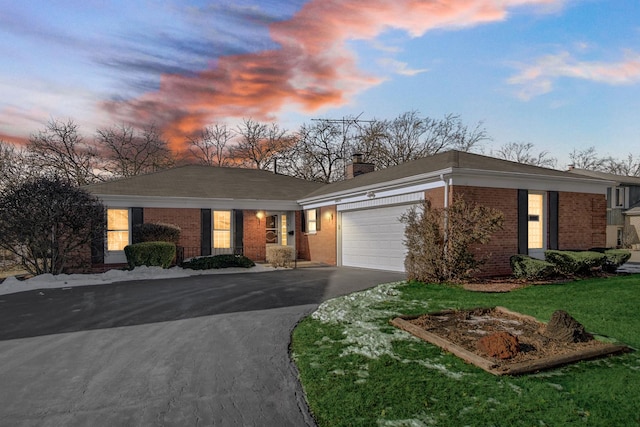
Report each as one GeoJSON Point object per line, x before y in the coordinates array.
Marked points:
{"type": "Point", "coordinates": [536, 226]}
{"type": "Point", "coordinates": [283, 238]}
{"type": "Point", "coordinates": [117, 229]}
{"type": "Point", "coordinates": [312, 221]}
{"type": "Point", "coordinates": [222, 229]}
{"type": "Point", "coordinates": [619, 198]}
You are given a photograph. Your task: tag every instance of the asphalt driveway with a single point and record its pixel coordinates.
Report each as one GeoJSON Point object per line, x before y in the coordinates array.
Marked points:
{"type": "Point", "coordinates": [197, 351]}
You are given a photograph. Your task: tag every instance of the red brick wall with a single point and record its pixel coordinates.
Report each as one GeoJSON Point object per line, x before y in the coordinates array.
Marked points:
{"type": "Point", "coordinates": [187, 219]}
{"type": "Point", "coordinates": [254, 235]}
{"type": "Point", "coordinates": [504, 243]}
{"type": "Point", "coordinates": [322, 245]}
{"type": "Point", "coordinates": [582, 221]}
{"type": "Point", "coordinates": [436, 196]}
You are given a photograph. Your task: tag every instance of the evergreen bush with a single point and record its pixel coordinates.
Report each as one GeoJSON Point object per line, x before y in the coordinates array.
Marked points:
{"type": "Point", "coordinates": [525, 267]}
{"type": "Point", "coordinates": [156, 232]}
{"type": "Point", "coordinates": [150, 254]}
{"type": "Point", "coordinates": [218, 261]}
{"type": "Point", "coordinates": [576, 263]}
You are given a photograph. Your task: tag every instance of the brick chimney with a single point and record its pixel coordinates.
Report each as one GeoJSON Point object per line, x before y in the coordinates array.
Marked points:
{"type": "Point", "coordinates": [358, 167]}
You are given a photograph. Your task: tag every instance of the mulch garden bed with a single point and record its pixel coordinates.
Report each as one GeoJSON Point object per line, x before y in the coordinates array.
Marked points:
{"type": "Point", "coordinates": [459, 331]}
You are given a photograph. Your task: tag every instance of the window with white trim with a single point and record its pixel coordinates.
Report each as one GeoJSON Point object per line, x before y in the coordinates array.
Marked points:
{"type": "Point", "coordinates": [312, 221]}
{"type": "Point", "coordinates": [117, 229]}
{"type": "Point", "coordinates": [222, 229]}
{"type": "Point", "coordinates": [619, 197]}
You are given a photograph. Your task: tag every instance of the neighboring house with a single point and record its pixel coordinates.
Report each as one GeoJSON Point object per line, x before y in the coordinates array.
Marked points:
{"type": "Point", "coordinates": [623, 207]}
{"type": "Point", "coordinates": [355, 222]}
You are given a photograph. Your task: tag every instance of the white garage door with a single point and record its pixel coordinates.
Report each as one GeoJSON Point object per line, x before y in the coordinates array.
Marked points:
{"type": "Point", "coordinates": [372, 238]}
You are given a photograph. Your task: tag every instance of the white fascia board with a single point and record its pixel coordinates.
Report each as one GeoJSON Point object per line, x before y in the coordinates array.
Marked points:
{"type": "Point", "coordinates": [466, 177]}
{"type": "Point", "coordinates": [534, 182]}
{"type": "Point", "coordinates": [196, 203]}
{"type": "Point", "coordinates": [422, 182]}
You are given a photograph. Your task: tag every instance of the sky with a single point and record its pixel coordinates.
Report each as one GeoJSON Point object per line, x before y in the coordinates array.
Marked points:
{"type": "Point", "coordinates": [563, 75]}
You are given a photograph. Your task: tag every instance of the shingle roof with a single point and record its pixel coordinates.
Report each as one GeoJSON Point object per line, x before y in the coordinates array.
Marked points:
{"type": "Point", "coordinates": [450, 159]}
{"type": "Point", "coordinates": [632, 180]}
{"type": "Point", "coordinates": [196, 181]}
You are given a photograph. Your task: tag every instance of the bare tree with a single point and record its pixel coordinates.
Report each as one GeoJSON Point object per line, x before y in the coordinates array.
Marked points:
{"type": "Point", "coordinates": [586, 159]}
{"type": "Point", "coordinates": [319, 152]}
{"type": "Point", "coordinates": [521, 152]}
{"type": "Point", "coordinates": [211, 146]}
{"type": "Point", "coordinates": [260, 144]}
{"type": "Point", "coordinates": [410, 137]}
{"type": "Point", "coordinates": [14, 166]}
{"type": "Point", "coordinates": [60, 150]}
{"type": "Point", "coordinates": [629, 166]}
{"type": "Point", "coordinates": [129, 152]}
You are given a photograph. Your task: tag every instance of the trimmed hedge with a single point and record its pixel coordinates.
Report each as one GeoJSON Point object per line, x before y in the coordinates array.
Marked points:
{"type": "Point", "coordinates": [525, 267]}
{"type": "Point", "coordinates": [614, 259]}
{"type": "Point", "coordinates": [576, 263]}
{"type": "Point", "coordinates": [158, 254]}
{"type": "Point", "coordinates": [156, 232]}
{"type": "Point", "coordinates": [218, 261]}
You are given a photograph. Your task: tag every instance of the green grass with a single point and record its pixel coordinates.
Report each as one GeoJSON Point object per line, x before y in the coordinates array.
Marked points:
{"type": "Point", "coordinates": [359, 371]}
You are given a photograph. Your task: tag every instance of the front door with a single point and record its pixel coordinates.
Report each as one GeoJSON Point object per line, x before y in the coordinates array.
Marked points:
{"type": "Point", "coordinates": [280, 229]}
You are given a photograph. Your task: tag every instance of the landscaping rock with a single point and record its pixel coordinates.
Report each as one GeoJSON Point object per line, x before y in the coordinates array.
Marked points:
{"type": "Point", "coordinates": [564, 328]}
{"type": "Point", "coordinates": [502, 345]}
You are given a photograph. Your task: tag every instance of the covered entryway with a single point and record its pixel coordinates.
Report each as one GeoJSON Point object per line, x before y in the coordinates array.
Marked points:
{"type": "Point", "coordinates": [372, 238]}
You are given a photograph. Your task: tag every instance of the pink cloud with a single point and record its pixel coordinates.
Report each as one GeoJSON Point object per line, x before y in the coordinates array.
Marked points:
{"type": "Point", "coordinates": [538, 78]}
{"type": "Point", "coordinates": [312, 68]}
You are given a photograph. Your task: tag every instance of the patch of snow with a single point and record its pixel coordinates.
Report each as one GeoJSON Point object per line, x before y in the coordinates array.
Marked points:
{"type": "Point", "coordinates": [424, 420]}
{"type": "Point", "coordinates": [359, 314]}
{"type": "Point", "coordinates": [48, 281]}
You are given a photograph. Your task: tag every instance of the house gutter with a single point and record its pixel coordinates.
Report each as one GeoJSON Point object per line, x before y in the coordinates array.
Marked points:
{"type": "Point", "coordinates": [445, 181]}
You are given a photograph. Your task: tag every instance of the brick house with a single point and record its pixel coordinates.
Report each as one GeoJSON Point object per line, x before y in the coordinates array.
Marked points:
{"type": "Point", "coordinates": [543, 208]}
{"type": "Point", "coordinates": [355, 222]}
{"type": "Point", "coordinates": [219, 210]}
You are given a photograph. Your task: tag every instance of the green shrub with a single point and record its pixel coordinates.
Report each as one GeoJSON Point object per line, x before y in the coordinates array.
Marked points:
{"type": "Point", "coordinates": [280, 256]}
{"type": "Point", "coordinates": [525, 267]}
{"type": "Point", "coordinates": [218, 261]}
{"type": "Point", "coordinates": [615, 258]}
{"type": "Point", "coordinates": [156, 232]}
{"type": "Point", "coordinates": [150, 254]}
{"type": "Point", "coordinates": [575, 263]}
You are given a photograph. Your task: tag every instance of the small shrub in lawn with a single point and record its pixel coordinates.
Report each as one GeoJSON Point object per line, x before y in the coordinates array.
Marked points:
{"type": "Point", "coordinates": [156, 232]}
{"type": "Point", "coordinates": [218, 261]}
{"type": "Point", "coordinates": [280, 256]}
{"type": "Point", "coordinates": [525, 267]}
{"type": "Point", "coordinates": [575, 263]}
{"type": "Point", "coordinates": [159, 254]}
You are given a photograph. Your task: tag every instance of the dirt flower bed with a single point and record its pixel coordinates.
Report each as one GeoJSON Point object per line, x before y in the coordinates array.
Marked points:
{"type": "Point", "coordinates": [459, 331]}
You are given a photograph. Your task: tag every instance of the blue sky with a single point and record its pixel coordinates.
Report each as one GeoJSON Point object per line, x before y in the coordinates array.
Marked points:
{"type": "Point", "coordinates": [562, 75]}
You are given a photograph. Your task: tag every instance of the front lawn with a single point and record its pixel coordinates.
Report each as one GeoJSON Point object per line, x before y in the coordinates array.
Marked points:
{"type": "Point", "coordinates": [357, 370]}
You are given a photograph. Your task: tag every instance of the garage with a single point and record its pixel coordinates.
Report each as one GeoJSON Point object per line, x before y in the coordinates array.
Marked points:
{"type": "Point", "coordinates": [372, 238]}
